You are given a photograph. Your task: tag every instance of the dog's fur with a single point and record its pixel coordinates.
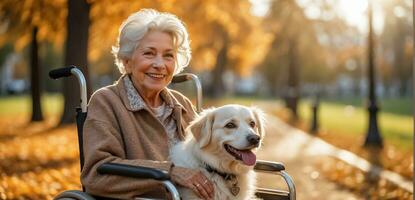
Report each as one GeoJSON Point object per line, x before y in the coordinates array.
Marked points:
{"type": "Point", "coordinates": [205, 144]}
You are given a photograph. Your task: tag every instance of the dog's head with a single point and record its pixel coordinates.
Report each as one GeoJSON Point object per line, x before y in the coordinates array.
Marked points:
{"type": "Point", "coordinates": [231, 133]}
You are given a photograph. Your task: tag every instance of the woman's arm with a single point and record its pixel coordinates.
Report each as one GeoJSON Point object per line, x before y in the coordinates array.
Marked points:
{"type": "Point", "coordinates": [103, 143]}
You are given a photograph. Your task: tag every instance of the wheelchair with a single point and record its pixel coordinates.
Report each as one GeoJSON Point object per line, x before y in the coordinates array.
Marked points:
{"type": "Point", "coordinates": [114, 169]}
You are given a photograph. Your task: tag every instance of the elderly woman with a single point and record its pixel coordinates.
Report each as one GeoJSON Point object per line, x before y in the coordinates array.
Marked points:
{"type": "Point", "coordinates": [136, 120]}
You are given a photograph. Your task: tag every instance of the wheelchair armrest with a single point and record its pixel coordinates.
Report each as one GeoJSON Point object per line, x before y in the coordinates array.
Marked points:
{"type": "Point", "coordinates": [132, 171]}
{"type": "Point", "coordinates": [268, 166]}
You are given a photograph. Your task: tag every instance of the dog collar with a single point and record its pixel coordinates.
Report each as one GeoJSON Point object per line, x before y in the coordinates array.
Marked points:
{"type": "Point", "coordinates": [225, 176]}
{"type": "Point", "coordinates": [230, 178]}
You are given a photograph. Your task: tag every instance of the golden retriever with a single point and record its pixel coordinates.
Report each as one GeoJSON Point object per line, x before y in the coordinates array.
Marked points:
{"type": "Point", "coordinates": [222, 142]}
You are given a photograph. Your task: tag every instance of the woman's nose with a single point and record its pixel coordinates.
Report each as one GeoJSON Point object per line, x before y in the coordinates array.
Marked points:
{"type": "Point", "coordinates": [158, 62]}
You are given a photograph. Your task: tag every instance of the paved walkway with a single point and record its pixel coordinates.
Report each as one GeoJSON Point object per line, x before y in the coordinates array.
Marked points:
{"type": "Point", "coordinates": [290, 146]}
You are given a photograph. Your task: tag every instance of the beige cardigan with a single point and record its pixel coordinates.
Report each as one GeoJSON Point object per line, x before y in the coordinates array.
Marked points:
{"type": "Point", "coordinates": [120, 129]}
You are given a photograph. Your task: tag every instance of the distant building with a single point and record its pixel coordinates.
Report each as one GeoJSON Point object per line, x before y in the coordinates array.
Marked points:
{"type": "Point", "coordinates": [8, 83]}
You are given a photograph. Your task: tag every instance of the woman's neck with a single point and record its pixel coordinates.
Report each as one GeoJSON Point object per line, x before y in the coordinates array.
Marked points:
{"type": "Point", "coordinates": [151, 98]}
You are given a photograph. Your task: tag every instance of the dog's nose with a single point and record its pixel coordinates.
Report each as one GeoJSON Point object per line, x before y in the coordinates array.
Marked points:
{"type": "Point", "coordinates": [253, 139]}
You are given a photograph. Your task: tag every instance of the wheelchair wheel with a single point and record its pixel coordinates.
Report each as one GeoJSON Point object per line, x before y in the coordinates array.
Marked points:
{"type": "Point", "coordinates": [73, 195]}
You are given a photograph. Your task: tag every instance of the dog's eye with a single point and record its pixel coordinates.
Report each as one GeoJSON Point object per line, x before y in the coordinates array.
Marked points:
{"type": "Point", "coordinates": [252, 124]}
{"type": "Point", "coordinates": [230, 125]}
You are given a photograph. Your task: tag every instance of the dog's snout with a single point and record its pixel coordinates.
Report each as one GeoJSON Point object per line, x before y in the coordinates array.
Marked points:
{"type": "Point", "coordinates": [253, 139]}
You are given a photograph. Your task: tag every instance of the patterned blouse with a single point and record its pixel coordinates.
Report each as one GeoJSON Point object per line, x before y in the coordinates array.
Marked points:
{"type": "Point", "coordinates": [163, 113]}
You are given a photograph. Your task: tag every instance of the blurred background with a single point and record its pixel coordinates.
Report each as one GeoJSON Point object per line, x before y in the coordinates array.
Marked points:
{"type": "Point", "coordinates": [350, 61]}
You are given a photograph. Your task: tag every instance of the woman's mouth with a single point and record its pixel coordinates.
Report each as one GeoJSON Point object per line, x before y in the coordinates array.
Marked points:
{"type": "Point", "coordinates": [156, 76]}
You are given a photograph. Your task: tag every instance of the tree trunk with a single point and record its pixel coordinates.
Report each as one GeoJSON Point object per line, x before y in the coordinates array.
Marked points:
{"type": "Point", "coordinates": [293, 90]}
{"type": "Point", "coordinates": [76, 54]}
{"type": "Point", "coordinates": [400, 63]}
{"type": "Point", "coordinates": [35, 79]}
{"type": "Point", "coordinates": [218, 87]}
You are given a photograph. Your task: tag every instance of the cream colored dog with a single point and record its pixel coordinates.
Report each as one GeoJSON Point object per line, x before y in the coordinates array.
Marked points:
{"type": "Point", "coordinates": [221, 143]}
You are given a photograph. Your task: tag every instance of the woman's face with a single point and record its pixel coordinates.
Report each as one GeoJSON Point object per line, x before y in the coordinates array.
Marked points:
{"type": "Point", "coordinates": [152, 63]}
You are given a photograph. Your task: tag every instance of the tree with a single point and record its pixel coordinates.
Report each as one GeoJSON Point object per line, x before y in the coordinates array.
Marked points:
{"type": "Point", "coordinates": [35, 78]}
{"type": "Point", "coordinates": [396, 43]}
{"type": "Point", "coordinates": [305, 49]}
{"type": "Point", "coordinates": [290, 49]}
{"type": "Point", "coordinates": [31, 22]}
{"type": "Point", "coordinates": [76, 53]}
{"type": "Point", "coordinates": [225, 48]}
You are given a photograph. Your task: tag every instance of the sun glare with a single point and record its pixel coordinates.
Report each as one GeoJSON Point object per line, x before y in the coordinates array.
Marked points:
{"type": "Point", "coordinates": [260, 7]}
{"type": "Point", "coordinates": [354, 11]}
{"type": "Point", "coordinates": [355, 14]}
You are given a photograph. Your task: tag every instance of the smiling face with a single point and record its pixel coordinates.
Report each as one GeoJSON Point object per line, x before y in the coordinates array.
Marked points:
{"type": "Point", "coordinates": [231, 132]}
{"type": "Point", "coordinates": [236, 129]}
{"type": "Point", "coordinates": [152, 64]}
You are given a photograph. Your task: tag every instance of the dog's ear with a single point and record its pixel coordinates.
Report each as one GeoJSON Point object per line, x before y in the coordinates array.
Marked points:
{"type": "Point", "coordinates": [201, 128]}
{"type": "Point", "coordinates": [260, 119]}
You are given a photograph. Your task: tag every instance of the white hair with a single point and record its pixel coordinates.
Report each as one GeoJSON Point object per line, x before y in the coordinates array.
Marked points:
{"type": "Point", "coordinates": [139, 24]}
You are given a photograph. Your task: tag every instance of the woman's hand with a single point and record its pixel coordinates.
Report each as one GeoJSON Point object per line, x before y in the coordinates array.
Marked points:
{"type": "Point", "coordinates": [193, 179]}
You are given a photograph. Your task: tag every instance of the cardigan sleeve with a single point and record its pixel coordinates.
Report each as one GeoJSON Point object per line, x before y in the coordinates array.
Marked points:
{"type": "Point", "coordinates": [103, 143]}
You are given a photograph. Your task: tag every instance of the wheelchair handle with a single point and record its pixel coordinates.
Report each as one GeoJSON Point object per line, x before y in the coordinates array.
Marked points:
{"type": "Point", "coordinates": [61, 72]}
{"type": "Point", "coordinates": [279, 169]}
{"type": "Point", "coordinates": [268, 166]}
{"type": "Point", "coordinates": [180, 78]}
{"type": "Point", "coordinates": [68, 71]}
{"type": "Point", "coordinates": [188, 76]}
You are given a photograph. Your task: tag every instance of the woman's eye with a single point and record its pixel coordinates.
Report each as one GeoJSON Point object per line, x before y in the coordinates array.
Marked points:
{"type": "Point", "coordinates": [169, 55]}
{"type": "Point", "coordinates": [148, 53]}
{"type": "Point", "coordinates": [230, 125]}
{"type": "Point", "coordinates": [252, 124]}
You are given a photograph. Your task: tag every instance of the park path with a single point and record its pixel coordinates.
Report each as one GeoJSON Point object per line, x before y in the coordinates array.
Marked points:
{"type": "Point", "coordinates": [286, 144]}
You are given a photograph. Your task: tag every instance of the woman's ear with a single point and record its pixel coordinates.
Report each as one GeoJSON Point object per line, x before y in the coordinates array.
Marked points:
{"type": "Point", "coordinates": [201, 128]}
{"type": "Point", "coordinates": [127, 65]}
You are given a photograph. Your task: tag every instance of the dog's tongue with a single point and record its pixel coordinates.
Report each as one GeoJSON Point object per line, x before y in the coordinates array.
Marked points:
{"type": "Point", "coordinates": [248, 158]}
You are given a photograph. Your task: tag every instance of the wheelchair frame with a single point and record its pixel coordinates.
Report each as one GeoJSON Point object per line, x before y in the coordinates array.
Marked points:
{"type": "Point", "coordinates": [145, 172]}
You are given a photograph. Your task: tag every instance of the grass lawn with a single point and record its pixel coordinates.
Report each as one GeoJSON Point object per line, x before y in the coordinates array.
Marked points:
{"type": "Point", "coordinates": [401, 106]}
{"type": "Point", "coordinates": [21, 105]}
{"type": "Point", "coordinates": [395, 123]}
